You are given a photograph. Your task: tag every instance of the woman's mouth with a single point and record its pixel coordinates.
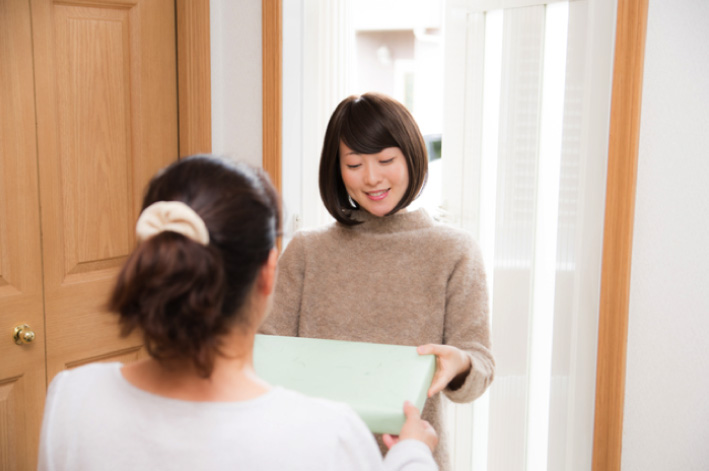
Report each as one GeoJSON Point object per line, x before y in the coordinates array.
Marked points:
{"type": "Point", "coordinates": [377, 195]}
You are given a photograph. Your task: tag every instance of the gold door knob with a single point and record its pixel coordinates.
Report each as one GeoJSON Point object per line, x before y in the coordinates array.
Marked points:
{"type": "Point", "coordinates": [23, 334]}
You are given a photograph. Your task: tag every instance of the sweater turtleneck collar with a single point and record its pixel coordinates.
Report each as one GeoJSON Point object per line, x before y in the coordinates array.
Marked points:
{"type": "Point", "coordinates": [397, 222]}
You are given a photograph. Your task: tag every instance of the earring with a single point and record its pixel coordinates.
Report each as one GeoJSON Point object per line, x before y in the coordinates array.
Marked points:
{"type": "Point", "coordinates": [352, 202]}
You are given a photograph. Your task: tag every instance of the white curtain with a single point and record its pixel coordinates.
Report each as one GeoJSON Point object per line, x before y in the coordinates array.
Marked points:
{"type": "Point", "coordinates": [524, 152]}
{"type": "Point", "coordinates": [318, 56]}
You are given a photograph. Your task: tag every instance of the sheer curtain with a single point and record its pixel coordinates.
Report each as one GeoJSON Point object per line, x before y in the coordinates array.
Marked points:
{"type": "Point", "coordinates": [318, 59]}
{"type": "Point", "coordinates": [524, 152]}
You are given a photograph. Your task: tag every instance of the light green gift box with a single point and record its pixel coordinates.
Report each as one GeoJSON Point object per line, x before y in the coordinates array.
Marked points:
{"type": "Point", "coordinates": [374, 379]}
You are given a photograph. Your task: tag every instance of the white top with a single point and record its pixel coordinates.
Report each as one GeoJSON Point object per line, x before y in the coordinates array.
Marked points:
{"type": "Point", "coordinates": [96, 420]}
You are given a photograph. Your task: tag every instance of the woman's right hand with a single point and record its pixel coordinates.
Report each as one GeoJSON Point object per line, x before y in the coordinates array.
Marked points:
{"type": "Point", "coordinates": [414, 428]}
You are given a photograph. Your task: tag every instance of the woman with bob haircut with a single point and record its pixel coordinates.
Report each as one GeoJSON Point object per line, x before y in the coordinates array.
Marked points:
{"type": "Point", "coordinates": [197, 287]}
{"type": "Point", "coordinates": [369, 124]}
{"type": "Point", "coordinates": [381, 273]}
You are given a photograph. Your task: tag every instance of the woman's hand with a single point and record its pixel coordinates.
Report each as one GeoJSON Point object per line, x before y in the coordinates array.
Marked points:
{"type": "Point", "coordinates": [452, 365]}
{"type": "Point", "coordinates": [414, 428]}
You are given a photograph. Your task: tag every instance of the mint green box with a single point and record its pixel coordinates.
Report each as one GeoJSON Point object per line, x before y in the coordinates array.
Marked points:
{"type": "Point", "coordinates": [374, 379]}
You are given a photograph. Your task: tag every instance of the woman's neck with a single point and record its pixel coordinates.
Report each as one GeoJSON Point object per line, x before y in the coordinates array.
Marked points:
{"type": "Point", "coordinates": [233, 377]}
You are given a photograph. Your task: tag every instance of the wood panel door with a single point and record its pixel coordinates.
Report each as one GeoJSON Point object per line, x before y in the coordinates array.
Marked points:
{"type": "Point", "coordinates": [88, 106]}
{"type": "Point", "coordinates": [106, 96]}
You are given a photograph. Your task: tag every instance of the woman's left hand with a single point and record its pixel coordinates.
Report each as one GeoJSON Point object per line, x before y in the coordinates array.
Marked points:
{"type": "Point", "coordinates": [451, 363]}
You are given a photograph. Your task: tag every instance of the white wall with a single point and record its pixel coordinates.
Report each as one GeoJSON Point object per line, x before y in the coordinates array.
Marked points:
{"type": "Point", "coordinates": [667, 385]}
{"type": "Point", "coordinates": [235, 35]}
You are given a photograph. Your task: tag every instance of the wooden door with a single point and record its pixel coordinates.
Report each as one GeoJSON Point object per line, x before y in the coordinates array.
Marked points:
{"type": "Point", "coordinates": [102, 79]}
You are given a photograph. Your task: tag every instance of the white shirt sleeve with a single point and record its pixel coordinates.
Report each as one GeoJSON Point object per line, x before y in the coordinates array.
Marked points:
{"type": "Point", "coordinates": [46, 452]}
{"type": "Point", "coordinates": [359, 451]}
{"type": "Point", "coordinates": [409, 455]}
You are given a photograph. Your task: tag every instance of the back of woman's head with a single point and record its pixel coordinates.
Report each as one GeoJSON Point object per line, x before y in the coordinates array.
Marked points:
{"type": "Point", "coordinates": [184, 294]}
{"type": "Point", "coordinates": [368, 124]}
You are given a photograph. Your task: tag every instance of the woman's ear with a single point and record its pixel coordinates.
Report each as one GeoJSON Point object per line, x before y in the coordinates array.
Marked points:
{"type": "Point", "coordinates": [267, 277]}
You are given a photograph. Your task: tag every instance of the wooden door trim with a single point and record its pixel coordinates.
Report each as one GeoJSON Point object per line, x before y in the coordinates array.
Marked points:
{"type": "Point", "coordinates": [272, 38]}
{"type": "Point", "coordinates": [194, 94]}
{"type": "Point", "coordinates": [626, 99]}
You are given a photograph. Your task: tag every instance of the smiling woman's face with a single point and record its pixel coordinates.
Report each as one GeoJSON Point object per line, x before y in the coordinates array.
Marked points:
{"type": "Point", "coordinates": [377, 182]}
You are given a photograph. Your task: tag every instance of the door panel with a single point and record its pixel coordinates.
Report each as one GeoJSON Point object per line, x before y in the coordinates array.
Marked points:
{"type": "Point", "coordinates": [107, 121]}
{"type": "Point", "coordinates": [94, 139]}
{"type": "Point", "coordinates": [22, 373]}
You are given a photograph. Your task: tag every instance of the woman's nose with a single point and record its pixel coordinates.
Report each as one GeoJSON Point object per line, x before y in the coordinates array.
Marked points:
{"type": "Point", "coordinates": [372, 175]}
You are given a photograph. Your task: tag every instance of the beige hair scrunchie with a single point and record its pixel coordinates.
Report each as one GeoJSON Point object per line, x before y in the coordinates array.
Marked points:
{"type": "Point", "coordinates": [173, 216]}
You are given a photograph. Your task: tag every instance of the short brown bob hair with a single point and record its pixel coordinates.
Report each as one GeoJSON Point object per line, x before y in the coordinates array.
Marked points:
{"type": "Point", "coordinates": [368, 124]}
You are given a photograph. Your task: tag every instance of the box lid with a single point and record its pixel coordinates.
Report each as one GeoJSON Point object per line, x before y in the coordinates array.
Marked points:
{"type": "Point", "coordinates": [374, 379]}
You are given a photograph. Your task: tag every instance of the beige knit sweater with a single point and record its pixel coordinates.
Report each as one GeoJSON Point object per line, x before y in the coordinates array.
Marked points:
{"type": "Point", "coordinates": [402, 279]}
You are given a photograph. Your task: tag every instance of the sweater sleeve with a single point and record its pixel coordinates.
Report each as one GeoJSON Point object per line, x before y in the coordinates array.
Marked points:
{"type": "Point", "coordinates": [467, 323]}
{"type": "Point", "coordinates": [285, 312]}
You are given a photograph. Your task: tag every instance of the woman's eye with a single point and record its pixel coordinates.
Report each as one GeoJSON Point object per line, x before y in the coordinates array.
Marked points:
{"type": "Point", "coordinates": [388, 161]}
{"type": "Point", "coordinates": [354, 166]}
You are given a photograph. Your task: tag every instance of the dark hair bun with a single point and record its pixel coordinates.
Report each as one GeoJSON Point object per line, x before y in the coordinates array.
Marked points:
{"type": "Point", "coordinates": [185, 296]}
